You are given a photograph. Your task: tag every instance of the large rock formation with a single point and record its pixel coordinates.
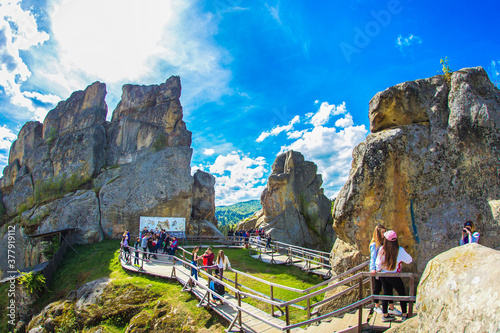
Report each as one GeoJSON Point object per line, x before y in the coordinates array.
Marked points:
{"type": "Point", "coordinates": [79, 171]}
{"type": "Point", "coordinates": [431, 163]}
{"type": "Point", "coordinates": [466, 280]}
{"type": "Point", "coordinates": [294, 208]}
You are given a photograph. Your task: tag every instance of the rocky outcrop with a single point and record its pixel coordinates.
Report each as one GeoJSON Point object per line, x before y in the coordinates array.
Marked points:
{"type": "Point", "coordinates": [430, 164]}
{"type": "Point", "coordinates": [204, 200]}
{"type": "Point", "coordinates": [294, 208]}
{"type": "Point", "coordinates": [147, 116]}
{"type": "Point", "coordinates": [79, 171]}
{"type": "Point", "coordinates": [158, 184]}
{"type": "Point", "coordinates": [466, 280]}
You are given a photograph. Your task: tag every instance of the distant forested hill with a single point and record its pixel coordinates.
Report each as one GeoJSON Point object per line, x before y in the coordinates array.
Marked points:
{"type": "Point", "coordinates": [232, 214]}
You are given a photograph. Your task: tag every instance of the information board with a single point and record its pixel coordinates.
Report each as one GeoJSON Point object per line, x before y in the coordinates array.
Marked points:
{"type": "Point", "coordinates": [169, 224]}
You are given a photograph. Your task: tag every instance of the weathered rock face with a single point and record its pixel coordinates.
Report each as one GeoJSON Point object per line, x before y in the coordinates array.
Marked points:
{"type": "Point", "coordinates": [466, 280]}
{"type": "Point", "coordinates": [79, 171]}
{"type": "Point", "coordinates": [428, 173]}
{"type": "Point", "coordinates": [79, 210]}
{"type": "Point", "coordinates": [294, 208]}
{"type": "Point", "coordinates": [204, 197]}
{"type": "Point", "coordinates": [145, 115]}
{"type": "Point", "coordinates": [159, 184]}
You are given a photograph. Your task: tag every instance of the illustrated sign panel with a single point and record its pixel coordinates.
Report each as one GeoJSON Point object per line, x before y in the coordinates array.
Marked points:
{"type": "Point", "coordinates": [172, 224]}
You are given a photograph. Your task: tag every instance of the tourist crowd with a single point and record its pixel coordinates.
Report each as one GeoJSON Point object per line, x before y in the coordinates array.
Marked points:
{"type": "Point", "coordinates": [151, 242]}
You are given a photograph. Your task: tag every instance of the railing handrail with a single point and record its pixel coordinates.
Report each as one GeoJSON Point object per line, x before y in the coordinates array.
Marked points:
{"type": "Point", "coordinates": [285, 304]}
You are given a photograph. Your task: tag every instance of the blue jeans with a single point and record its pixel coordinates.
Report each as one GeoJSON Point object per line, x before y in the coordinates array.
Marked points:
{"type": "Point", "coordinates": [194, 271]}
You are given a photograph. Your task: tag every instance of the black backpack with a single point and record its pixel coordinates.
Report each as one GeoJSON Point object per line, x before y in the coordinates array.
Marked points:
{"type": "Point", "coordinates": [219, 288]}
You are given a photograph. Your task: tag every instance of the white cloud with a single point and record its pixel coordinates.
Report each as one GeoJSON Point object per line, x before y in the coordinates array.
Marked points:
{"type": "Point", "coordinates": [131, 41]}
{"type": "Point", "coordinates": [325, 111]}
{"type": "Point", "coordinates": [6, 137]}
{"type": "Point", "coordinates": [330, 148]}
{"type": "Point", "coordinates": [278, 129]}
{"type": "Point", "coordinates": [19, 32]}
{"type": "Point", "coordinates": [238, 178]}
{"type": "Point", "coordinates": [402, 42]}
{"type": "Point", "coordinates": [208, 151]}
{"type": "Point", "coordinates": [494, 72]}
{"type": "Point", "coordinates": [295, 134]}
{"type": "Point", "coordinates": [344, 122]}
{"type": "Point", "coordinates": [113, 41]}
{"type": "Point", "coordinates": [275, 12]}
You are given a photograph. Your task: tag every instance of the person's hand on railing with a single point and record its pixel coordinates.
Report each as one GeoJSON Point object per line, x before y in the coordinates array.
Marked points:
{"type": "Point", "coordinates": [373, 272]}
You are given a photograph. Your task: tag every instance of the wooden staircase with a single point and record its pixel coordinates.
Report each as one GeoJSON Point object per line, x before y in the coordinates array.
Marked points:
{"type": "Point", "coordinates": [349, 324]}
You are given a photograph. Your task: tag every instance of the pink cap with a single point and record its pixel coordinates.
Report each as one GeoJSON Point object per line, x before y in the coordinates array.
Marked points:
{"type": "Point", "coordinates": [391, 235]}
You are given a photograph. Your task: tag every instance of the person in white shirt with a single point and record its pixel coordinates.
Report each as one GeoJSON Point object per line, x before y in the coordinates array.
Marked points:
{"type": "Point", "coordinates": [222, 263]}
{"type": "Point", "coordinates": [389, 259]}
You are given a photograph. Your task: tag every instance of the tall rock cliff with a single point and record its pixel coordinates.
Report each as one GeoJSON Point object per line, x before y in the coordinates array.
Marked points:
{"type": "Point", "coordinates": [431, 163]}
{"type": "Point", "coordinates": [76, 170]}
{"type": "Point", "coordinates": [294, 208]}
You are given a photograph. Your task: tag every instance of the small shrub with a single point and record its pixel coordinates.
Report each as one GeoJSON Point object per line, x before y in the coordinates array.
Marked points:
{"type": "Point", "coordinates": [160, 143]}
{"type": "Point", "coordinates": [51, 137]}
{"type": "Point", "coordinates": [23, 208]}
{"type": "Point", "coordinates": [56, 188]}
{"type": "Point", "coordinates": [33, 282]}
{"type": "Point", "coordinates": [446, 70]}
{"type": "Point", "coordinates": [50, 250]}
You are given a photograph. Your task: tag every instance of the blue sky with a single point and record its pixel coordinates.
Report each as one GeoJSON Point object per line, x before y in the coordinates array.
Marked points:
{"type": "Point", "coordinates": [258, 77]}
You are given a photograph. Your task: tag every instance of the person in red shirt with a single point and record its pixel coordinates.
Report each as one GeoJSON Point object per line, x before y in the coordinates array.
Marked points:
{"type": "Point", "coordinates": [208, 259]}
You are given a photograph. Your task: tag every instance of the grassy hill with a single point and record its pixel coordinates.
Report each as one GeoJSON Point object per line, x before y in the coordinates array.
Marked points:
{"type": "Point", "coordinates": [232, 214]}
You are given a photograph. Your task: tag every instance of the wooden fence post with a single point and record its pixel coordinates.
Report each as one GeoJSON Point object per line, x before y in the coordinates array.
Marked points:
{"type": "Point", "coordinates": [360, 309]}
{"type": "Point", "coordinates": [272, 299]}
{"type": "Point", "coordinates": [239, 312]}
{"type": "Point", "coordinates": [412, 293]}
{"type": "Point", "coordinates": [287, 317]}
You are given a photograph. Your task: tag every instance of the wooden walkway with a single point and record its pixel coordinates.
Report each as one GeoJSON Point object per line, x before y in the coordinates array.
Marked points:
{"type": "Point", "coordinates": [310, 261]}
{"type": "Point", "coordinates": [228, 308]}
{"type": "Point", "coordinates": [247, 318]}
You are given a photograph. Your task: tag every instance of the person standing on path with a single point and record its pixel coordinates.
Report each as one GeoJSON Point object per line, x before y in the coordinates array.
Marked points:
{"type": "Point", "coordinates": [389, 259]}
{"type": "Point", "coordinates": [194, 262]}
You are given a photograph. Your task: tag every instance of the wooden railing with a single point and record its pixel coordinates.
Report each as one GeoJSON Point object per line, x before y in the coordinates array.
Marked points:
{"type": "Point", "coordinates": [354, 278]}
{"type": "Point", "coordinates": [311, 258]}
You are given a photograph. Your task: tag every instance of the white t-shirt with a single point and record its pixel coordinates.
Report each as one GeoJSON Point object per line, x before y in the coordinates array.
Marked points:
{"type": "Point", "coordinates": [403, 256]}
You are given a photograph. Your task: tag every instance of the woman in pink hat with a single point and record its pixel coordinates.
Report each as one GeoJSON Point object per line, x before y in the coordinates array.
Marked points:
{"type": "Point", "coordinates": [389, 259]}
